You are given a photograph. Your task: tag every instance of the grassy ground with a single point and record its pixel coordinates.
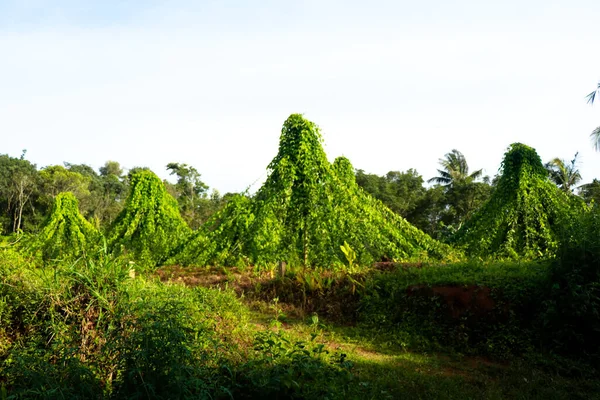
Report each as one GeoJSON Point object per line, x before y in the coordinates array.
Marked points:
{"type": "Point", "coordinates": [384, 368]}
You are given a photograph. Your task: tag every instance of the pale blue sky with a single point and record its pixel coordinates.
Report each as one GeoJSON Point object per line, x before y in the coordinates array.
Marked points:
{"type": "Point", "coordinates": [393, 84]}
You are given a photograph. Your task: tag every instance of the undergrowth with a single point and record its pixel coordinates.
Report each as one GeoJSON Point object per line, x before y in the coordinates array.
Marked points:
{"type": "Point", "coordinates": [99, 329]}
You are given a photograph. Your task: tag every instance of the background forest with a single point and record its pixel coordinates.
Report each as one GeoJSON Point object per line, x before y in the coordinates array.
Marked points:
{"type": "Point", "coordinates": [438, 207]}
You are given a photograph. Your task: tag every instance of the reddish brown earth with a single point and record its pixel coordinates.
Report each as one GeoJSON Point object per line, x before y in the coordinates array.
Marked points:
{"type": "Point", "coordinates": [337, 301]}
{"type": "Point", "coordinates": [477, 300]}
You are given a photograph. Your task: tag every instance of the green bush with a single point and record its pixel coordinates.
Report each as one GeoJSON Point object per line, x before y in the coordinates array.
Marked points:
{"type": "Point", "coordinates": [20, 296]}
{"type": "Point", "coordinates": [97, 329]}
{"type": "Point", "coordinates": [93, 328]}
{"type": "Point", "coordinates": [404, 302]}
{"type": "Point", "coordinates": [572, 315]}
{"type": "Point", "coordinates": [283, 368]}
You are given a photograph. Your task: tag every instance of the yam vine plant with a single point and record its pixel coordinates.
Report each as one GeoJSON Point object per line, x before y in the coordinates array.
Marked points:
{"type": "Point", "coordinates": [380, 231]}
{"type": "Point", "coordinates": [306, 209]}
{"type": "Point", "coordinates": [66, 235]}
{"type": "Point", "coordinates": [220, 239]}
{"type": "Point", "coordinates": [523, 216]}
{"type": "Point", "coordinates": [149, 227]}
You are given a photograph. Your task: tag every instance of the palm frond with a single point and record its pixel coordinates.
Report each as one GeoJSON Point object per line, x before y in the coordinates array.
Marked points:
{"type": "Point", "coordinates": [595, 135]}
{"type": "Point", "coordinates": [476, 175]}
{"type": "Point", "coordinates": [592, 96]}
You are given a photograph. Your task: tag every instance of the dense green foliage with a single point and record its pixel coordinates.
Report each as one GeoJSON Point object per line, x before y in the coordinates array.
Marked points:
{"type": "Point", "coordinates": [478, 308]}
{"type": "Point", "coordinates": [402, 192]}
{"type": "Point", "coordinates": [96, 330]}
{"type": "Point", "coordinates": [523, 215]}
{"type": "Point", "coordinates": [564, 174]}
{"type": "Point", "coordinates": [66, 235]}
{"type": "Point", "coordinates": [590, 192]}
{"type": "Point", "coordinates": [438, 210]}
{"type": "Point", "coordinates": [305, 211]}
{"type": "Point", "coordinates": [572, 319]}
{"type": "Point", "coordinates": [220, 238]}
{"type": "Point", "coordinates": [369, 224]}
{"type": "Point", "coordinates": [18, 180]}
{"type": "Point", "coordinates": [149, 226]}
{"type": "Point", "coordinates": [80, 318]}
{"type": "Point", "coordinates": [195, 204]}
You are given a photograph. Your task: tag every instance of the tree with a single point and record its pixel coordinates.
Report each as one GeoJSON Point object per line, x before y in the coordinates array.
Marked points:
{"type": "Point", "coordinates": [400, 191]}
{"type": "Point", "coordinates": [455, 170]}
{"type": "Point", "coordinates": [57, 179]}
{"type": "Point", "coordinates": [462, 195]}
{"type": "Point", "coordinates": [564, 175]}
{"type": "Point", "coordinates": [592, 96]}
{"type": "Point", "coordinates": [107, 192]}
{"type": "Point", "coordinates": [595, 135]}
{"type": "Point", "coordinates": [191, 194]}
{"type": "Point", "coordinates": [404, 193]}
{"type": "Point", "coordinates": [111, 168]}
{"type": "Point", "coordinates": [591, 192]}
{"type": "Point", "coordinates": [18, 186]}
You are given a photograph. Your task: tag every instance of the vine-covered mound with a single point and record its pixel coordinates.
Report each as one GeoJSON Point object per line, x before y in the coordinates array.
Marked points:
{"type": "Point", "coordinates": [304, 212]}
{"type": "Point", "coordinates": [150, 226]}
{"type": "Point", "coordinates": [380, 230]}
{"type": "Point", "coordinates": [66, 235]}
{"type": "Point", "coordinates": [524, 214]}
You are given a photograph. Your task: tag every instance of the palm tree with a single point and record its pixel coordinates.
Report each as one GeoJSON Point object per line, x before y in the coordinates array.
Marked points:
{"type": "Point", "coordinates": [462, 195]}
{"type": "Point", "coordinates": [455, 170]}
{"type": "Point", "coordinates": [565, 175]}
{"type": "Point", "coordinates": [595, 135]}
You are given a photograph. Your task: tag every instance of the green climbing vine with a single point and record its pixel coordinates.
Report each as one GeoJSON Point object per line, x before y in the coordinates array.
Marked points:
{"type": "Point", "coordinates": [66, 235]}
{"type": "Point", "coordinates": [306, 209]}
{"type": "Point", "coordinates": [150, 226]}
{"type": "Point", "coordinates": [370, 225]}
{"type": "Point", "coordinates": [221, 239]}
{"type": "Point", "coordinates": [524, 214]}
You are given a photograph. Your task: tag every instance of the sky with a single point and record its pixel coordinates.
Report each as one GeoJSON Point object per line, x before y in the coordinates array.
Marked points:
{"type": "Point", "coordinates": [393, 85]}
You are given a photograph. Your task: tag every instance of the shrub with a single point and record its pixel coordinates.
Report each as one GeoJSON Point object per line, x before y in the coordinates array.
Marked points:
{"type": "Point", "coordinates": [475, 307]}
{"type": "Point", "coordinates": [572, 316]}
{"type": "Point", "coordinates": [283, 368]}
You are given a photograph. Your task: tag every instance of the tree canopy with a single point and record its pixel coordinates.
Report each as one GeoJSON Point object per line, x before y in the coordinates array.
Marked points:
{"type": "Point", "coordinates": [564, 174]}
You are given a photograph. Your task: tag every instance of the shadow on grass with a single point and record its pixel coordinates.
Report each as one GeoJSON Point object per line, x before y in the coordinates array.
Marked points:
{"type": "Point", "coordinates": [428, 377]}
